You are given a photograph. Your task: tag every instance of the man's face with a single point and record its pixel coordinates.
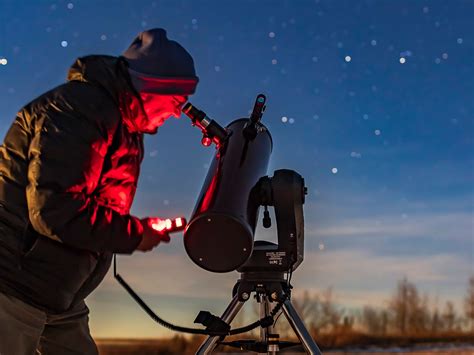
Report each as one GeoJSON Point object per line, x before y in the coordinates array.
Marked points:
{"type": "Point", "coordinates": [161, 107]}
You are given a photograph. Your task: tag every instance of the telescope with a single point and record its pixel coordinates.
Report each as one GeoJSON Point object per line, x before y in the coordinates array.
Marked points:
{"type": "Point", "coordinates": [220, 235]}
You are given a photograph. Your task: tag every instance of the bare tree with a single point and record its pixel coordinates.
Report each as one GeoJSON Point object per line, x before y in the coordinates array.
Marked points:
{"type": "Point", "coordinates": [436, 322]}
{"type": "Point", "coordinates": [372, 320]}
{"type": "Point", "coordinates": [449, 316]}
{"type": "Point", "coordinates": [398, 305]}
{"type": "Point", "coordinates": [469, 303]}
{"type": "Point", "coordinates": [384, 315]}
{"type": "Point", "coordinates": [348, 323]}
{"type": "Point", "coordinates": [419, 314]}
{"type": "Point", "coordinates": [410, 311]}
{"type": "Point", "coordinates": [330, 315]}
{"type": "Point", "coordinates": [375, 320]}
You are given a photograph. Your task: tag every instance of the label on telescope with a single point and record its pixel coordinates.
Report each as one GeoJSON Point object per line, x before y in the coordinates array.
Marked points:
{"type": "Point", "coordinates": [275, 258]}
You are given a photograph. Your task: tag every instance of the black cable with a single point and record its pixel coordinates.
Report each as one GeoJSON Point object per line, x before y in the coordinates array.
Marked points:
{"type": "Point", "coordinates": [263, 322]}
{"type": "Point", "coordinates": [276, 320]}
{"type": "Point", "coordinates": [288, 278]}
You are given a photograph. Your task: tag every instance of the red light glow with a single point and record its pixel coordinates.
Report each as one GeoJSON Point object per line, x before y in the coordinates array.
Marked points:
{"type": "Point", "coordinates": [209, 194]}
{"type": "Point", "coordinates": [206, 141]}
{"type": "Point", "coordinates": [167, 225]}
{"type": "Point", "coordinates": [158, 224]}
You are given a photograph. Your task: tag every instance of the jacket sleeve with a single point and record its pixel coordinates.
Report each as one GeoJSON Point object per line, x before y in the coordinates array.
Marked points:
{"type": "Point", "coordinates": [66, 156]}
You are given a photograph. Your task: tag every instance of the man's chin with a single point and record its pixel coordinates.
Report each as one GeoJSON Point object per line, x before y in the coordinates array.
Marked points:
{"type": "Point", "coordinates": [151, 130]}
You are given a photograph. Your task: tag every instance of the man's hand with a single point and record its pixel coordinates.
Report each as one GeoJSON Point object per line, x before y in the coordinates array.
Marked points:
{"type": "Point", "coordinates": [151, 237]}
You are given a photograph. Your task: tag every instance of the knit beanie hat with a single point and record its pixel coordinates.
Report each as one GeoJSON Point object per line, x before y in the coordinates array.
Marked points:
{"type": "Point", "coordinates": [159, 65]}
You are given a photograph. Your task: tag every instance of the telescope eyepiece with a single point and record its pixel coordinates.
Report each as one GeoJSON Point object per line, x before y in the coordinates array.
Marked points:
{"type": "Point", "coordinates": [211, 130]}
{"type": "Point", "coordinates": [193, 112]}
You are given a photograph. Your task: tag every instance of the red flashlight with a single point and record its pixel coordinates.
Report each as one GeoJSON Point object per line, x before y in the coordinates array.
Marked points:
{"type": "Point", "coordinates": [168, 225]}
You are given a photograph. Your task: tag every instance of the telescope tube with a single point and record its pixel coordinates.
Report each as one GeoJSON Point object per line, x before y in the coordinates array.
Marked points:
{"type": "Point", "coordinates": [219, 236]}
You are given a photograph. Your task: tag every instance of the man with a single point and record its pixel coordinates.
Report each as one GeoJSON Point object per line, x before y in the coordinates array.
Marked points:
{"type": "Point", "coordinates": [69, 167]}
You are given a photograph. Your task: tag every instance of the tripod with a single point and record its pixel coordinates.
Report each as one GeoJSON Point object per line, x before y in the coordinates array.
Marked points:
{"type": "Point", "coordinates": [268, 287]}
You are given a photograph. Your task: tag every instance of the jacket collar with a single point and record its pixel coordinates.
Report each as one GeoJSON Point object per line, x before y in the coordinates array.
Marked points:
{"type": "Point", "coordinates": [111, 74]}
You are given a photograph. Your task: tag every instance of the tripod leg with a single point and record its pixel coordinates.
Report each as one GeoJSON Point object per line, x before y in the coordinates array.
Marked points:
{"type": "Point", "coordinates": [300, 329]}
{"type": "Point", "coordinates": [229, 314]}
{"type": "Point", "coordinates": [265, 309]}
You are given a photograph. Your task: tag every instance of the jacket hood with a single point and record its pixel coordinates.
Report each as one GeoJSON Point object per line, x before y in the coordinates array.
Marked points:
{"type": "Point", "coordinates": [111, 74]}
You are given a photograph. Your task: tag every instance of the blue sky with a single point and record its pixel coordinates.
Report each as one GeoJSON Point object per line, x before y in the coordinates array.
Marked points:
{"type": "Point", "coordinates": [382, 91]}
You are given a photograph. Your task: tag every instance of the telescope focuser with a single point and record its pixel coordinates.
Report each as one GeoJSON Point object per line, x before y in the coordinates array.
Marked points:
{"type": "Point", "coordinates": [211, 130]}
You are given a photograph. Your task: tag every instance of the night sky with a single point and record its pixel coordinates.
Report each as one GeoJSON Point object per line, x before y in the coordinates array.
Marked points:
{"type": "Point", "coordinates": [371, 101]}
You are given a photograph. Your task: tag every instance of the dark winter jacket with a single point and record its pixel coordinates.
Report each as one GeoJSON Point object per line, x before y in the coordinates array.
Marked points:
{"type": "Point", "coordinates": [69, 167]}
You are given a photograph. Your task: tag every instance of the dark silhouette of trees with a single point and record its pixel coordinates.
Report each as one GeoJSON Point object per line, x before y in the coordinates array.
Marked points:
{"type": "Point", "coordinates": [407, 319]}
{"type": "Point", "coordinates": [407, 313]}
{"type": "Point", "coordinates": [411, 314]}
{"type": "Point", "coordinates": [374, 320]}
{"type": "Point", "coordinates": [469, 303]}
{"type": "Point", "coordinates": [405, 307]}
{"type": "Point", "coordinates": [449, 316]}
{"type": "Point", "coordinates": [436, 322]}
{"type": "Point", "coordinates": [329, 315]}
